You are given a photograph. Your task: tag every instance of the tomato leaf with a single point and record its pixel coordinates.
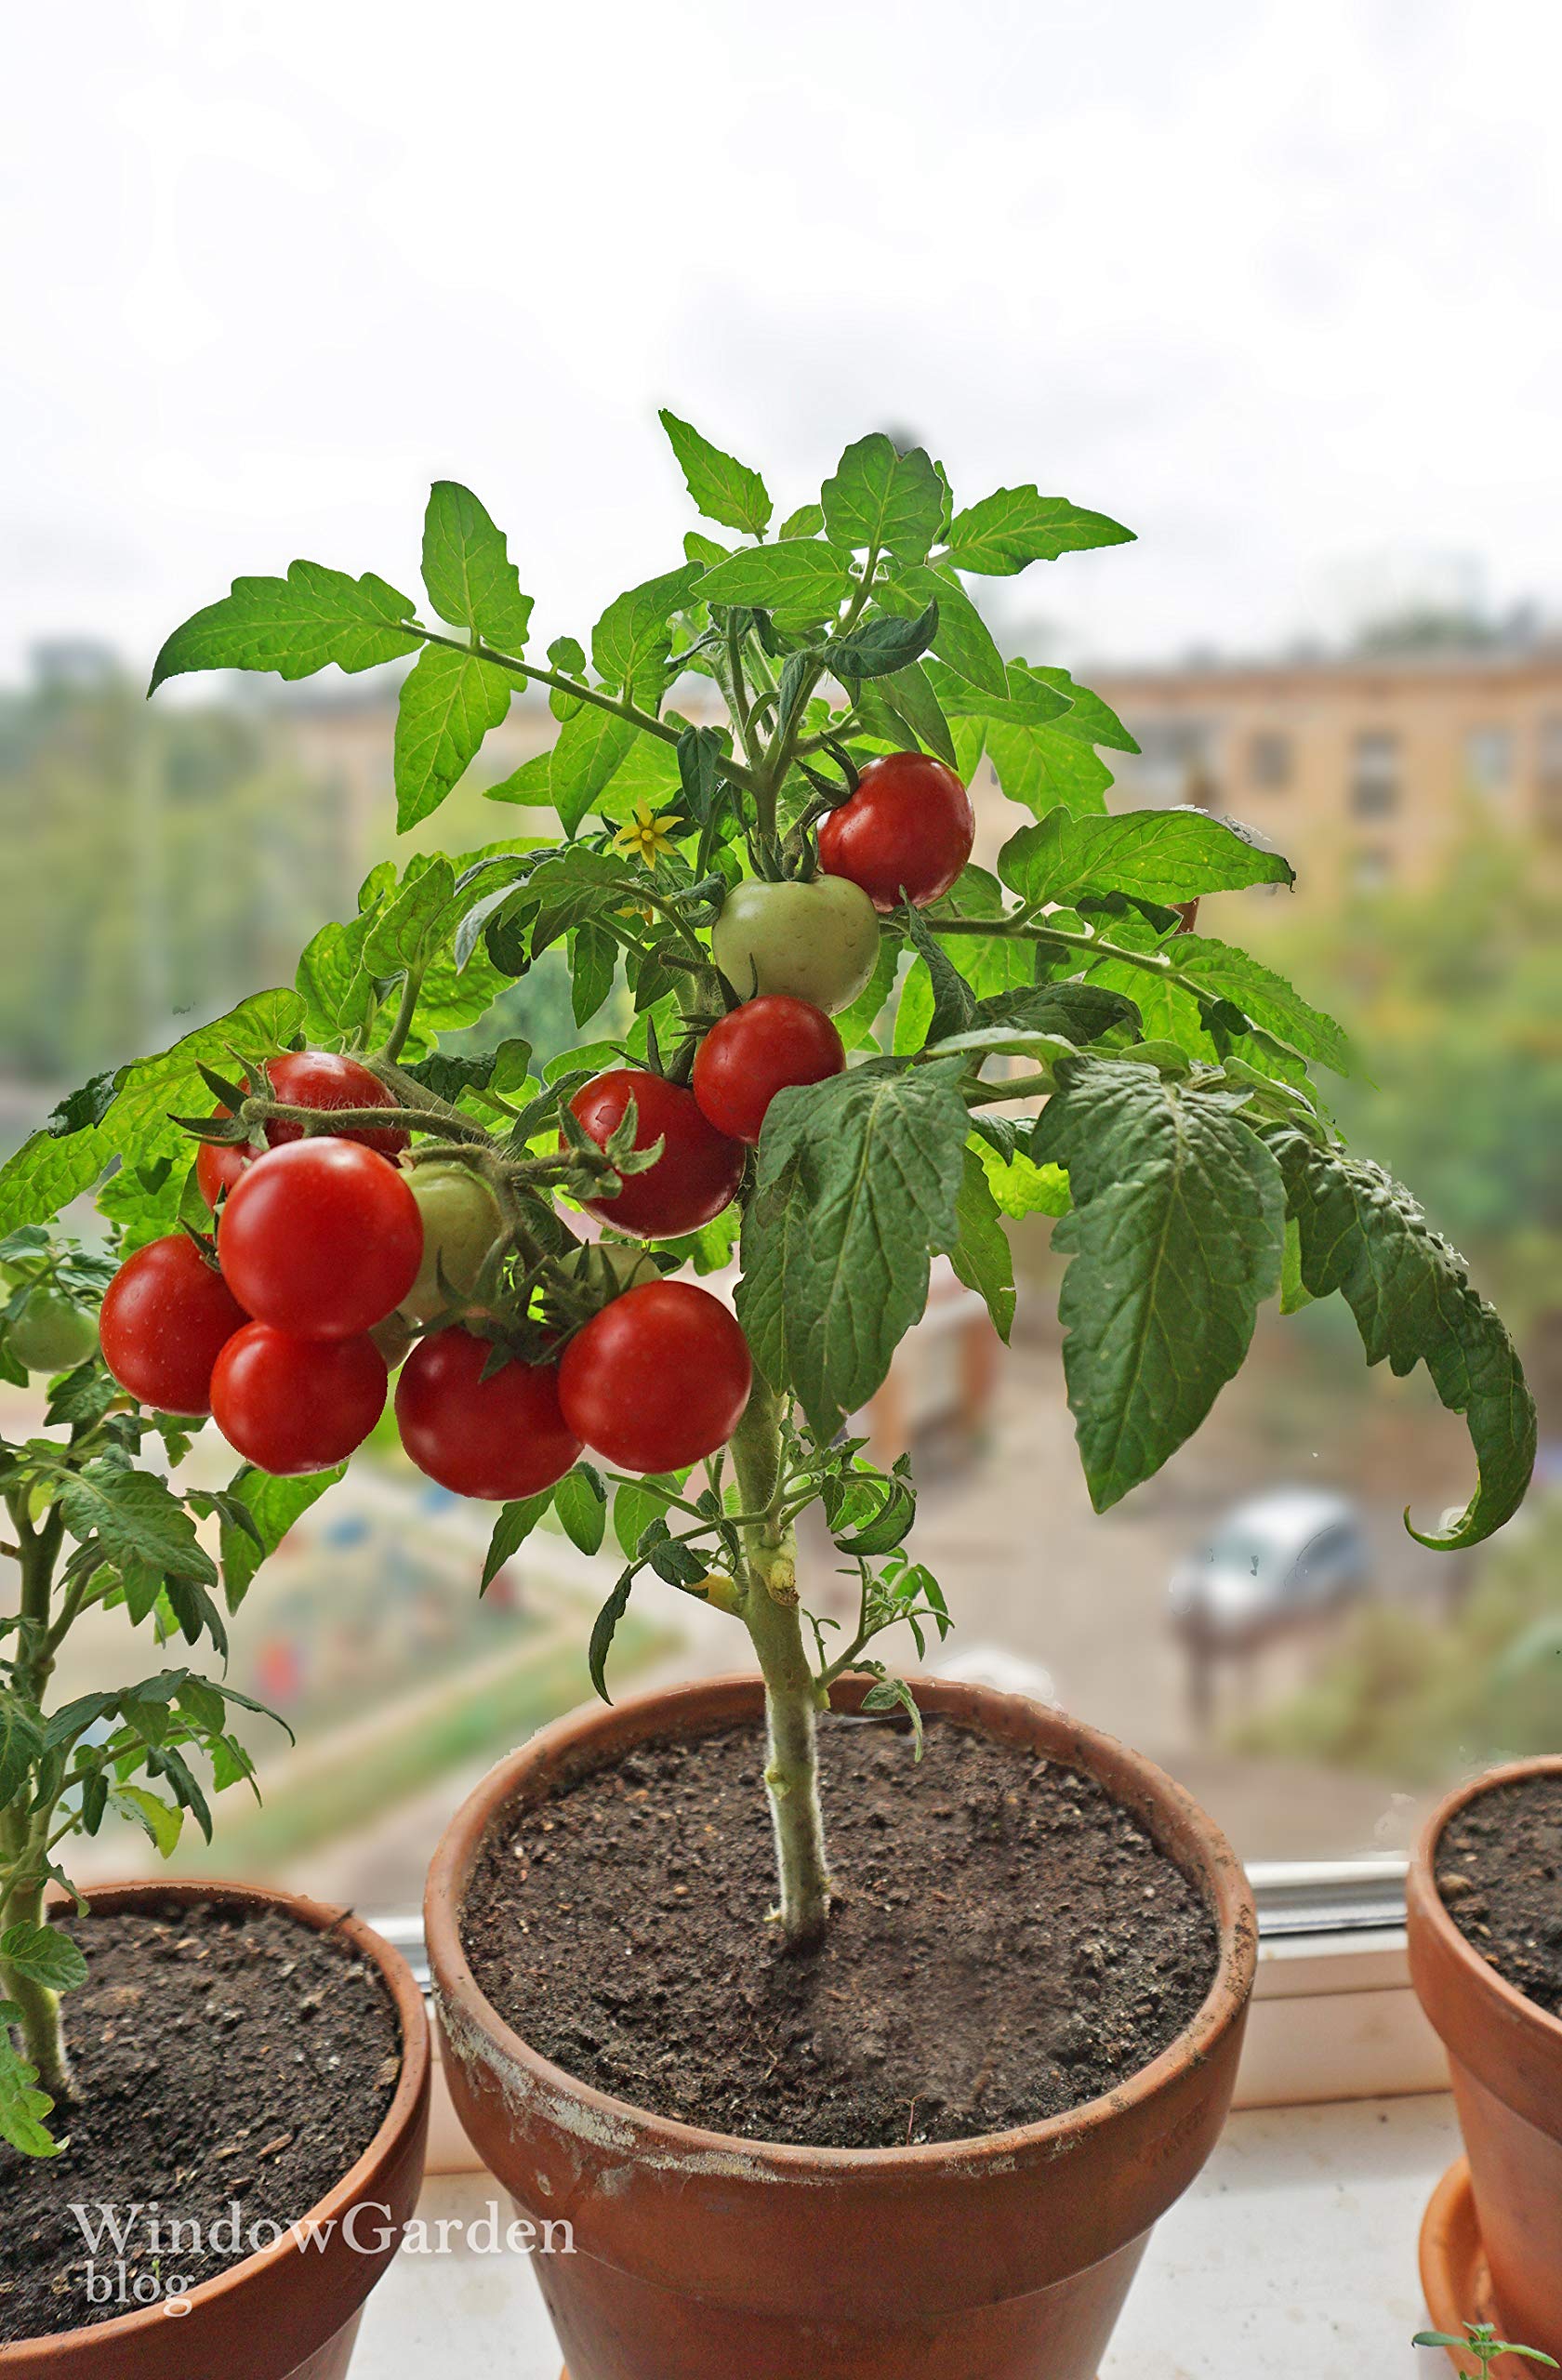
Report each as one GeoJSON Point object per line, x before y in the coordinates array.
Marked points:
{"type": "Point", "coordinates": [293, 625]}
{"type": "Point", "coordinates": [1174, 1241]}
{"type": "Point", "coordinates": [798, 579]}
{"type": "Point", "coordinates": [21, 1740]}
{"type": "Point", "coordinates": [1015, 525]}
{"type": "Point", "coordinates": [449, 701]}
{"type": "Point", "coordinates": [879, 498]}
{"type": "Point", "coordinates": [723, 488]}
{"type": "Point", "coordinates": [591, 747]}
{"type": "Point", "coordinates": [22, 2105]}
{"type": "Point", "coordinates": [1162, 855]}
{"type": "Point", "coordinates": [604, 1629]}
{"type": "Point", "coordinates": [43, 1954]}
{"type": "Point", "coordinates": [858, 1179]}
{"type": "Point", "coordinates": [1267, 998]}
{"type": "Point", "coordinates": [981, 1254]}
{"type": "Point", "coordinates": [273, 1506]}
{"type": "Point", "coordinates": [1361, 1233]}
{"type": "Point", "coordinates": [962, 638]}
{"type": "Point", "coordinates": [514, 1525]}
{"type": "Point", "coordinates": [631, 643]}
{"type": "Point", "coordinates": [581, 1500]}
{"type": "Point", "coordinates": [467, 569]}
{"type": "Point", "coordinates": [885, 642]}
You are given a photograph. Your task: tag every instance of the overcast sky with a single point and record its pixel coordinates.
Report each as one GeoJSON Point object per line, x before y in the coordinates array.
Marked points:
{"type": "Point", "coordinates": [1279, 285]}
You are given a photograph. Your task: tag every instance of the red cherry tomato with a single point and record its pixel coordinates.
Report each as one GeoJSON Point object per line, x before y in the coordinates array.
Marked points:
{"type": "Point", "coordinates": [496, 1438]}
{"type": "Point", "coordinates": [292, 1405]}
{"type": "Point", "coordinates": [167, 1317]}
{"type": "Point", "coordinates": [696, 1175]}
{"type": "Point", "coordinates": [322, 1238]}
{"type": "Point", "coordinates": [905, 832]}
{"type": "Point", "coordinates": [303, 1078]}
{"type": "Point", "coordinates": [658, 1378]}
{"type": "Point", "coordinates": [765, 1046]}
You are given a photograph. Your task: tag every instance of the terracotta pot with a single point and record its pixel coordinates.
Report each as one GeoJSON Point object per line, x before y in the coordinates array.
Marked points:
{"type": "Point", "coordinates": [699, 2255]}
{"type": "Point", "coordinates": [290, 2312]}
{"type": "Point", "coordinates": [1505, 2056]}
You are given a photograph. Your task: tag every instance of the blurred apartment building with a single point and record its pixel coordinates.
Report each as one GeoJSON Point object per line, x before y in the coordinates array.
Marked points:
{"type": "Point", "coordinates": [1364, 769]}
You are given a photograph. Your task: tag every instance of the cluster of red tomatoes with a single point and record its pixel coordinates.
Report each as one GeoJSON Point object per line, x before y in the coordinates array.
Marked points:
{"type": "Point", "coordinates": [332, 1249]}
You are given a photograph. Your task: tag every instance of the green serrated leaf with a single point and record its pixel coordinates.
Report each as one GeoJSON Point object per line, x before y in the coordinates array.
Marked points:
{"type": "Point", "coordinates": [722, 489]}
{"type": "Point", "coordinates": [273, 1506]}
{"type": "Point", "coordinates": [883, 500]}
{"type": "Point", "coordinates": [1267, 998]}
{"type": "Point", "coordinates": [22, 2105]}
{"type": "Point", "coordinates": [1361, 1233]}
{"type": "Point", "coordinates": [981, 1254]}
{"type": "Point", "coordinates": [449, 701]}
{"type": "Point", "coordinates": [512, 1529]}
{"type": "Point", "coordinates": [1162, 855]}
{"type": "Point", "coordinates": [884, 643]}
{"type": "Point", "coordinates": [962, 640]}
{"type": "Point", "coordinates": [806, 522]}
{"type": "Point", "coordinates": [136, 1518]}
{"type": "Point", "coordinates": [162, 1824]}
{"type": "Point", "coordinates": [580, 1501]}
{"type": "Point", "coordinates": [591, 747]}
{"type": "Point", "coordinates": [295, 626]}
{"type": "Point", "coordinates": [1174, 1240]}
{"type": "Point", "coordinates": [1015, 526]}
{"type": "Point", "coordinates": [799, 579]}
{"type": "Point", "coordinates": [335, 987]}
{"type": "Point", "coordinates": [605, 1630]}
{"type": "Point", "coordinates": [858, 1179]}
{"type": "Point", "coordinates": [21, 1742]}
{"type": "Point", "coordinates": [631, 643]}
{"type": "Point", "coordinates": [467, 569]}
{"type": "Point", "coordinates": [43, 1954]}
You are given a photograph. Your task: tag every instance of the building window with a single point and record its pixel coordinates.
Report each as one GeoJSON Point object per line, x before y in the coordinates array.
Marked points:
{"type": "Point", "coordinates": [1175, 762]}
{"type": "Point", "coordinates": [1269, 760]}
{"type": "Point", "coordinates": [1489, 759]}
{"type": "Point", "coordinates": [1374, 789]}
{"type": "Point", "coordinates": [1372, 868]}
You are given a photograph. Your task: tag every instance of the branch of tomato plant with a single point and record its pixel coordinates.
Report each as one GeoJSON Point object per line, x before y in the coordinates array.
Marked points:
{"type": "Point", "coordinates": [573, 687]}
{"type": "Point", "coordinates": [782, 752]}
{"type": "Point", "coordinates": [25, 1839]}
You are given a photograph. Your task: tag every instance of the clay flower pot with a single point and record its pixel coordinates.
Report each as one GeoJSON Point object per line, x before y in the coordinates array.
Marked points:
{"type": "Point", "coordinates": [289, 2312]}
{"type": "Point", "coordinates": [1001, 2259]}
{"type": "Point", "coordinates": [1505, 2056]}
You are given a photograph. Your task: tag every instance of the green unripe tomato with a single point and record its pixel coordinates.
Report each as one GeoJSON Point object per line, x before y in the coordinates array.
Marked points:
{"type": "Point", "coordinates": [611, 1266]}
{"type": "Point", "coordinates": [461, 1220]}
{"type": "Point", "coordinates": [819, 942]}
{"type": "Point", "coordinates": [52, 1335]}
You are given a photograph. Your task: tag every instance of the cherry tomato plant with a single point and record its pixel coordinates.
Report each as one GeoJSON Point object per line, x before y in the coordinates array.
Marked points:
{"type": "Point", "coordinates": [854, 1048]}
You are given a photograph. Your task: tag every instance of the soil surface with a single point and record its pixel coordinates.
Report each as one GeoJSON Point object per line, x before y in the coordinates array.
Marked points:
{"type": "Point", "coordinates": [1006, 1942]}
{"type": "Point", "coordinates": [217, 2057]}
{"type": "Point", "coordinates": [1499, 1873]}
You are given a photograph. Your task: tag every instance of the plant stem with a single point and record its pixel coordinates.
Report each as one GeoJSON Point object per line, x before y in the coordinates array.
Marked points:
{"type": "Point", "coordinates": [26, 1846]}
{"type": "Point", "coordinates": [412, 984]}
{"type": "Point", "coordinates": [770, 1613]}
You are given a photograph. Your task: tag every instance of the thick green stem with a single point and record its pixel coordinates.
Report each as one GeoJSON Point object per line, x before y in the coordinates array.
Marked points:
{"type": "Point", "coordinates": [770, 1613]}
{"type": "Point", "coordinates": [25, 1840]}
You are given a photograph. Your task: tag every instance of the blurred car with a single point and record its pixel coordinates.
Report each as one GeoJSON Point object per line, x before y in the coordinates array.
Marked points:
{"type": "Point", "coordinates": [1278, 1558]}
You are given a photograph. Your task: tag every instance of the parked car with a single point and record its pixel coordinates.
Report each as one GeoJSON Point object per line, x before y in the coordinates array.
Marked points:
{"type": "Point", "coordinates": [1277, 1559]}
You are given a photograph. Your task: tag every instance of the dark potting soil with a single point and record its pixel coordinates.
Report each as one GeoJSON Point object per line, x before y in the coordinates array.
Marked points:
{"type": "Point", "coordinates": [1005, 1944]}
{"type": "Point", "coordinates": [215, 2058]}
{"type": "Point", "coordinates": [1499, 1871]}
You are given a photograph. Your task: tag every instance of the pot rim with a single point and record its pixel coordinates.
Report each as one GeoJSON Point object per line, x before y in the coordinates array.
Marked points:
{"type": "Point", "coordinates": [1224, 1881]}
{"type": "Point", "coordinates": [1427, 1905]}
{"type": "Point", "coordinates": [320, 1917]}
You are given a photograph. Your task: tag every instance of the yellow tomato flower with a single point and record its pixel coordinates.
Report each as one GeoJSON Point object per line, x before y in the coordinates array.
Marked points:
{"type": "Point", "coordinates": [647, 836]}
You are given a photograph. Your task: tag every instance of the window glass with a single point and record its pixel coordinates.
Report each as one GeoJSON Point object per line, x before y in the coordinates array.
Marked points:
{"type": "Point", "coordinates": [1489, 759]}
{"type": "Point", "coordinates": [1269, 760]}
{"type": "Point", "coordinates": [1374, 784]}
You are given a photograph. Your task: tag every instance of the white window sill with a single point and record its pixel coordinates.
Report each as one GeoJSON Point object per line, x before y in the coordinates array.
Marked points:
{"type": "Point", "coordinates": [1293, 2256]}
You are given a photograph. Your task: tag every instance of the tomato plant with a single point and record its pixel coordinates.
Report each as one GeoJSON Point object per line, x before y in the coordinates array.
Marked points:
{"type": "Point", "coordinates": [761, 744]}
{"type": "Point", "coordinates": [658, 1378]}
{"type": "Point", "coordinates": [167, 1317]}
{"type": "Point", "coordinates": [905, 833]}
{"type": "Point", "coordinates": [493, 1438]}
{"type": "Point", "coordinates": [291, 1404]}
{"type": "Point", "coordinates": [772, 1043]}
{"type": "Point", "coordinates": [696, 1173]}
{"type": "Point", "coordinates": [321, 1080]}
{"type": "Point", "coordinates": [322, 1238]}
